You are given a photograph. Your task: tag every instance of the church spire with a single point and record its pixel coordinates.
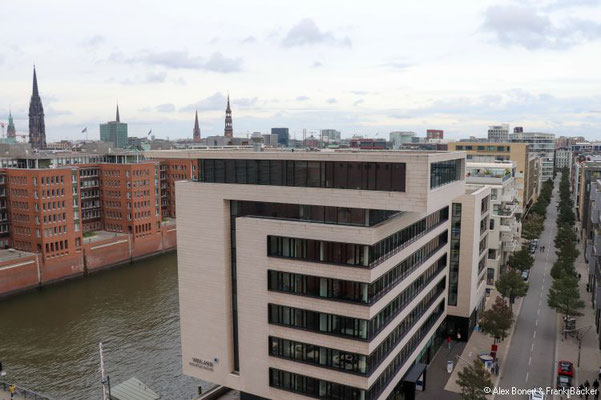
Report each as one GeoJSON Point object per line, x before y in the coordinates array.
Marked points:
{"type": "Point", "coordinates": [229, 128]}
{"type": "Point", "coordinates": [196, 130]}
{"type": "Point", "coordinates": [117, 116]}
{"type": "Point", "coordinates": [11, 132]}
{"type": "Point", "coordinates": [37, 128]}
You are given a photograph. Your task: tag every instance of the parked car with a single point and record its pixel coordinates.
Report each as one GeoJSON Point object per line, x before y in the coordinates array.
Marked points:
{"type": "Point", "coordinates": [525, 274]}
{"type": "Point", "coordinates": [565, 368]}
{"type": "Point", "coordinates": [537, 394]}
{"type": "Point", "coordinates": [564, 382]}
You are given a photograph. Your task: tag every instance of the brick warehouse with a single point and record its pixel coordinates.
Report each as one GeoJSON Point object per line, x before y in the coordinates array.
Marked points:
{"type": "Point", "coordinates": [66, 214]}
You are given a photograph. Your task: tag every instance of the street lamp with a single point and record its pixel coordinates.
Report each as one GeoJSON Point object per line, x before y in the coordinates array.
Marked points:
{"type": "Point", "coordinates": [580, 332]}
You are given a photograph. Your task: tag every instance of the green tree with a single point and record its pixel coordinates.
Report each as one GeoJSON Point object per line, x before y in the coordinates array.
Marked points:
{"type": "Point", "coordinates": [473, 379]}
{"type": "Point", "coordinates": [496, 321]}
{"type": "Point", "coordinates": [511, 285]}
{"type": "Point", "coordinates": [520, 260]}
{"type": "Point", "coordinates": [564, 296]}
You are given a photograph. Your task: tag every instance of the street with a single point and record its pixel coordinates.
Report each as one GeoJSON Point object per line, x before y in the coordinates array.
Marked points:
{"type": "Point", "coordinates": [530, 361]}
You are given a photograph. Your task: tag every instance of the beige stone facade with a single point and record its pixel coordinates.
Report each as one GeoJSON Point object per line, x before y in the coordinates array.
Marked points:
{"type": "Point", "coordinates": [207, 281]}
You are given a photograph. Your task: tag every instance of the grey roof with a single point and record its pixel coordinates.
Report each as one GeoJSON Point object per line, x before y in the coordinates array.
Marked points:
{"type": "Point", "coordinates": [132, 389]}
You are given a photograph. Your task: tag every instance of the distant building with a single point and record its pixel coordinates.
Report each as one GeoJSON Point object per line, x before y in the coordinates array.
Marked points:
{"type": "Point", "coordinates": [541, 144]}
{"type": "Point", "coordinates": [330, 135]}
{"type": "Point", "coordinates": [368, 144]}
{"type": "Point", "coordinates": [37, 128]}
{"type": "Point", "coordinates": [228, 132]}
{"type": "Point", "coordinates": [399, 138]}
{"type": "Point", "coordinates": [283, 135]}
{"type": "Point", "coordinates": [563, 158]}
{"type": "Point", "coordinates": [62, 145]}
{"type": "Point", "coordinates": [518, 129]}
{"type": "Point", "coordinates": [11, 132]}
{"type": "Point", "coordinates": [114, 132]}
{"type": "Point", "coordinates": [270, 140]}
{"type": "Point", "coordinates": [498, 133]}
{"type": "Point", "coordinates": [434, 134]}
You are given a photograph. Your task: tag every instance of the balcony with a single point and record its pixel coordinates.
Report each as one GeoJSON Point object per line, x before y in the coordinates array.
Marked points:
{"type": "Point", "coordinates": [506, 237]}
{"type": "Point", "coordinates": [506, 210]}
{"type": "Point", "coordinates": [510, 246]}
{"type": "Point", "coordinates": [508, 196]}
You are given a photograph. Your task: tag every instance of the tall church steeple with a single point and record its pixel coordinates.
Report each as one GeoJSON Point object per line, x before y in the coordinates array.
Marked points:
{"type": "Point", "coordinates": [196, 129]}
{"type": "Point", "coordinates": [229, 128]}
{"type": "Point", "coordinates": [37, 128]}
{"type": "Point", "coordinates": [11, 131]}
{"type": "Point", "coordinates": [117, 116]}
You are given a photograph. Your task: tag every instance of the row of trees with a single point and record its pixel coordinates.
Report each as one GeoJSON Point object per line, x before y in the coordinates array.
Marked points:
{"type": "Point", "coordinates": [532, 226]}
{"type": "Point", "coordinates": [564, 294]}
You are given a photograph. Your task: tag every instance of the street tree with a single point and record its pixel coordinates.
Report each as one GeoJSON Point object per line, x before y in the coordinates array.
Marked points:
{"type": "Point", "coordinates": [520, 260]}
{"type": "Point", "coordinates": [473, 379]}
{"type": "Point", "coordinates": [564, 296]}
{"type": "Point", "coordinates": [511, 285]}
{"type": "Point", "coordinates": [496, 321]}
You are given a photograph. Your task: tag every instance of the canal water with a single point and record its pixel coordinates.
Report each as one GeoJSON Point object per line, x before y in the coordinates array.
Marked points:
{"type": "Point", "coordinates": [49, 338]}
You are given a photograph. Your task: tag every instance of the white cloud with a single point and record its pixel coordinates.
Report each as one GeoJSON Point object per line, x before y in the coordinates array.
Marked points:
{"type": "Point", "coordinates": [306, 32]}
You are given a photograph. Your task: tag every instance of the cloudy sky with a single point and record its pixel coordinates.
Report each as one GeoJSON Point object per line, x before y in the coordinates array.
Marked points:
{"type": "Point", "coordinates": [368, 69]}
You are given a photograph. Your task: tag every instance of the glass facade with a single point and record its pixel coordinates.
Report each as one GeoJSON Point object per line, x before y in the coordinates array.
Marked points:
{"type": "Point", "coordinates": [342, 290]}
{"type": "Point", "coordinates": [323, 389]}
{"type": "Point", "coordinates": [380, 176]}
{"type": "Point", "coordinates": [356, 255]}
{"type": "Point", "coordinates": [444, 172]}
{"type": "Point", "coordinates": [353, 362]}
{"type": "Point", "coordinates": [353, 327]}
{"type": "Point", "coordinates": [311, 213]}
{"type": "Point", "coordinates": [454, 259]}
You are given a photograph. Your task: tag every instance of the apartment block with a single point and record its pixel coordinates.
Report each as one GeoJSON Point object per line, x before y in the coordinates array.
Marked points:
{"type": "Point", "coordinates": [504, 228]}
{"type": "Point", "coordinates": [526, 175]}
{"type": "Point", "coordinates": [470, 220]}
{"type": "Point", "coordinates": [173, 170]}
{"type": "Point", "coordinates": [541, 144]}
{"type": "Point", "coordinates": [563, 158]}
{"type": "Point", "coordinates": [323, 274]}
{"type": "Point", "coordinates": [498, 133]}
{"type": "Point", "coordinates": [593, 254]}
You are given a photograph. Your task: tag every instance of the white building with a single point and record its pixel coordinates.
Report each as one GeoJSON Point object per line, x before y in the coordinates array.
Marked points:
{"type": "Point", "coordinates": [330, 135]}
{"type": "Point", "coordinates": [498, 133]}
{"type": "Point", "coordinates": [563, 158]}
{"type": "Point", "coordinates": [505, 230]}
{"type": "Point", "coordinates": [541, 144]}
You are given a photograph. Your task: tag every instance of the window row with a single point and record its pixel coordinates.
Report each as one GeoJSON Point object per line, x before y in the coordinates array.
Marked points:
{"type": "Point", "coordinates": [444, 172]}
{"type": "Point", "coordinates": [326, 174]}
{"type": "Point", "coordinates": [353, 254]}
{"type": "Point", "coordinates": [359, 292]}
{"type": "Point", "coordinates": [353, 327]}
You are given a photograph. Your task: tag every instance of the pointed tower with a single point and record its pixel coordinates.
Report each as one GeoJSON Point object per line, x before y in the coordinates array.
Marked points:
{"type": "Point", "coordinates": [37, 128]}
{"type": "Point", "coordinates": [196, 130]}
{"type": "Point", "coordinates": [229, 128]}
{"type": "Point", "coordinates": [11, 133]}
{"type": "Point", "coordinates": [117, 119]}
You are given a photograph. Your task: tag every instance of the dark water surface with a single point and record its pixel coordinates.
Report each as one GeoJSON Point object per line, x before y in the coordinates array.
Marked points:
{"type": "Point", "coordinates": [49, 338]}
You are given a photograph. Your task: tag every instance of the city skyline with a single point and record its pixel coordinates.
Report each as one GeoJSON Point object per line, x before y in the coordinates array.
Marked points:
{"type": "Point", "coordinates": [315, 67]}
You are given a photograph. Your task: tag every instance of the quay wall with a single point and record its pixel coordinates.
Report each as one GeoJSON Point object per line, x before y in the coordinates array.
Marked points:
{"type": "Point", "coordinates": [30, 270]}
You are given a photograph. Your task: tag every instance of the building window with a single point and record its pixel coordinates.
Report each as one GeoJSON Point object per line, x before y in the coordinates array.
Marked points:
{"type": "Point", "coordinates": [330, 174]}
{"type": "Point", "coordinates": [455, 250]}
{"type": "Point", "coordinates": [444, 172]}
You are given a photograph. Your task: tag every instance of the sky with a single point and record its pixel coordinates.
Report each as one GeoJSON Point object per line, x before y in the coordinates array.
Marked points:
{"type": "Point", "coordinates": [364, 68]}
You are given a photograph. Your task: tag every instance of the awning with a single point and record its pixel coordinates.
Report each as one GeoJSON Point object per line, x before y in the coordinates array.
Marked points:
{"type": "Point", "coordinates": [415, 372]}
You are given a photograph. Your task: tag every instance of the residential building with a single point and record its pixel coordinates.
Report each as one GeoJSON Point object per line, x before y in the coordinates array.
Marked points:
{"type": "Point", "coordinates": [347, 267]}
{"type": "Point", "coordinates": [468, 258]}
{"type": "Point", "coordinates": [37, 127]}
{"type": "Point", "coordinates": [398, 138]}
{"type": "Point", "coordinates": [588, 173]}
{"type": "Point", "coordinates": [593, 255]}
{"type": "Point", "coordinates": [498, 133]}
{"type": "Point", "coordinates": [114, 132]}
{"type": "Point", "coordinates": [368, 144]}
{"type": "Point", "coordinates": [541, 144]}
{"type": "Point", "coordinates": [505, 230]}
{"type": "Point", "coordinates": [283, 135]}
{"type": "Point", "coordinates": [434, 134]}
{"type": "Point", "coordinates": [563, 158]}
{"type": "Point", "coordinates": [526, 176]}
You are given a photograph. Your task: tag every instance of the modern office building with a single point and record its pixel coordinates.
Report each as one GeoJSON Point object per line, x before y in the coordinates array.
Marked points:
{"type": "Point", "coordinates": [398, 138]}
{"type": "Point", "coordinates": [541, 144]}
{"type": "Point", "coordinates": [563, 158]}
{"type": "Point", "coordinates": [498, 133]}
{"type": "Point", "coordinates": [505, 230]}
{"type": "Point", "coordinates": [330, 135]}
{"type": "Point", "coordinates": [114, 132]}
{"type": "Point", "coordinates": [324, 274]}
{"type": "Point", "coordinates": [526, 180]}
{"type": "Point", "coordinates": [468, 259]}
{"type": "Point", "coordinates": [434, 134]}
{"type": "Point", "coordinates": [283, 135]}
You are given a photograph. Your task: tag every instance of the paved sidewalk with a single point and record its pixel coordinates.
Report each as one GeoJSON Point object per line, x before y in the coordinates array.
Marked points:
{"type": "Point", "coordinates": [437, 375]}
{"type": "Point", "coordinates": [567, 349]}
{"type": "Point", "coordinates": [480, 343]}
